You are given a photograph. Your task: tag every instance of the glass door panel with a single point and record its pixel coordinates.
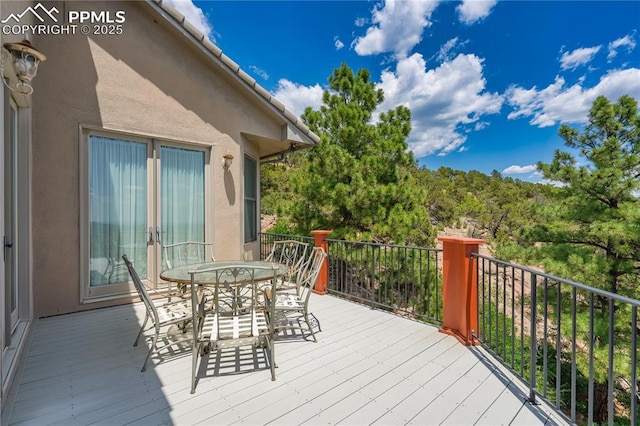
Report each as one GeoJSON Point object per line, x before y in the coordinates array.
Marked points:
{"type": "Point", "coordinates": [182, 195]}
{"type": "Point", "coordinates": [141, 194]}
{"type": "Point", "coordinates": [118, 194]}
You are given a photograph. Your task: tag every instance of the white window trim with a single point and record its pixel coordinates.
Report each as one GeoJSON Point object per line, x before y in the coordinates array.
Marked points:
{"type": "Point", "coordinates": [244, 198]}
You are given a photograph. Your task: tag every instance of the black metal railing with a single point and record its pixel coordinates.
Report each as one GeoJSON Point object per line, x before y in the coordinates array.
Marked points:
{"type": "Point", "coordinates": [573, 345]}
{"type": "Point", "coordinates": [400, 279]}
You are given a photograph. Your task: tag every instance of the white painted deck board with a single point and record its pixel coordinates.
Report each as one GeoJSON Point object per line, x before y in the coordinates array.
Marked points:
{"type": "Point", "coordinates": [368, 367]}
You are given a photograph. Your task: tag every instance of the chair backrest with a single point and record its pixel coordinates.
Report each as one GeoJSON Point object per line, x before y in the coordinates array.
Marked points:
{"type": "Point", "coordinates": [308, 274]}
{"type": "Point", "coordinates": [235, 290]}
{"type": "Point", "coordinates": [142, 291]}
{"type": "Point", "coordinates": [187, 253]}
{"type": "Point", "coordinates": [291, 253]}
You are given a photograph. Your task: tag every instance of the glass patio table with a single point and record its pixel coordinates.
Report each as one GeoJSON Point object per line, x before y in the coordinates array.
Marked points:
{"type": "Point", "coordinates": [182, 274]}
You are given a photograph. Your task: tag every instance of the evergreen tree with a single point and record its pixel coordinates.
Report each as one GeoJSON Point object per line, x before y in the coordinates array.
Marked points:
{"type": "Point", "coordinates": [591, 229]}
{"type": "Point", "coordinates": [358, 180]}
{"type": "Point", "coordinates": [596, 211]}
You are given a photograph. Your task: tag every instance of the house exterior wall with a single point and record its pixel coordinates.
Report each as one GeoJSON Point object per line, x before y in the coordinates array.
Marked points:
{"type": "Point", "coordinates": [149, 81]}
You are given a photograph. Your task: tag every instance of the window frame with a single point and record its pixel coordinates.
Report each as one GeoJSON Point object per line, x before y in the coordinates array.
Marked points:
{"type": "Point", "coordinates": [249, 160]}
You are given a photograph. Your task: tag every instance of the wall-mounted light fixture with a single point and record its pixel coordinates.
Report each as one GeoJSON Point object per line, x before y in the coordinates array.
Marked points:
{"type": "Point", "coordinates": [23, 59]}
{"type": "Point", "coordinates": [227, 159]}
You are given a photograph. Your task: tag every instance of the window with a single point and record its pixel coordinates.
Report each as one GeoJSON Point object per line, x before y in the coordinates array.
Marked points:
{"type": "Point", "coordinates": [250, 200]}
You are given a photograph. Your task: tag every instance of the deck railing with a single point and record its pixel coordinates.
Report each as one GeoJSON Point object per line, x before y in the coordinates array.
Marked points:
{"type": "Point", "coordinates": [401, 279]}
{"type": "Point", "coordinates": [581, 341]}
{"type": "Point", "coordinates": [573, 345]}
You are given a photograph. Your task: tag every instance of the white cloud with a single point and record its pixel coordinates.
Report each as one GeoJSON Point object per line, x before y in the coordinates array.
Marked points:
{"type": "Point", "coordinates": [297, 97]}
{"type": "Point", "coordinates": [259, 72]}
{"type": "Point", "coordinates": [519, 170]}
{"type": "Point", "coordinates": [444, 102]}
{"type": "Point", "coordinates": [397, 27]}
{"type": "Point", "coordinates": [626, 41]}
{"type": "Point", "coordinates": [447, 50]}
{"type": "Point", "coordinates": [570, 104]}
{"type": "Point", "coordinates": [194, 15]}
{"type": "Point", "coordinates": [472, 11]}
{"type": "Point", "coordinates": [361, 22]}
{"type": "Point", "coordinates": [480, 125]}
{"type": "Point", "coordinates": [339, 44]}
{"type": "Point", "coordinates": [555, 183]}
{"type": "Point", "coordinates": [581, 56]}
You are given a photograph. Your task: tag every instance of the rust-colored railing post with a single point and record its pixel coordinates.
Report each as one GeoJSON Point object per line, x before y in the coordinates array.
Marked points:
{"type": "Point", "coordinates": [323, 277]}
{"type": "Point", "coordinates": [460, 288]}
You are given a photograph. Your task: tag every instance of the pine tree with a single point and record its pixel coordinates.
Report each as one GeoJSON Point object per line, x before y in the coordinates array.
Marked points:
{"type": "Point", "coordinates": [591, 229]}
{"type": "Point", "coordinates": [358, 181]}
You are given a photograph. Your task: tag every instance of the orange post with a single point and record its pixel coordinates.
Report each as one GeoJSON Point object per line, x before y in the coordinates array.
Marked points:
{"type": "Point", "coordinates": [323, 277]}
{"type": "Point", "coordinates": [460, 288]}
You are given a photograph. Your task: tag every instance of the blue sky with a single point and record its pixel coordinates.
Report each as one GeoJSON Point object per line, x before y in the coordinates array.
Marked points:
{"type": "Point", "coordinates": [488, 82]}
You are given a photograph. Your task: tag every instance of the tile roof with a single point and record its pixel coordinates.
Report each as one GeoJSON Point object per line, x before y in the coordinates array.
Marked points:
{"type": "Point", "coordinates": [234, 69]}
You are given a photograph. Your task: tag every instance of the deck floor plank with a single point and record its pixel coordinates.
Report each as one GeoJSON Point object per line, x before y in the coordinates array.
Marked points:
{"type": "Point", "coordinates": [367, 367]}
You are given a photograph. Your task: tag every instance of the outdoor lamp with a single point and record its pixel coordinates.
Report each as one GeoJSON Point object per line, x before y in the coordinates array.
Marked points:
{"type": "Point", "coordinates": [227, 159]}
{"type": "Point", "coordinates": [24, 60]}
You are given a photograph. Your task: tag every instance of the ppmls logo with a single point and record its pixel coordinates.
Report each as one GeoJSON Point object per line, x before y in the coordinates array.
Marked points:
{"type": "Point", "coordinates": [46, 22]}
{"type": "Point", "coordinates": [34, 11]}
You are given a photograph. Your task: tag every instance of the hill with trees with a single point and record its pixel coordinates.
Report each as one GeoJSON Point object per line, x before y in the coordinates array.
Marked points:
{"type": "Point", "coordinates": [362, 182]}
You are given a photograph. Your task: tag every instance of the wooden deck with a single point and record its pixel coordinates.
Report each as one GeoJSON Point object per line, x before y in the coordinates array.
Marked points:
{"type": "Point", "coordinates": [368, 367]}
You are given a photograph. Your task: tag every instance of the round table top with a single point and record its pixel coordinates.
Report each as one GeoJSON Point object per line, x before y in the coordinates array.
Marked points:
{"type": "Point", "coordinates": [181, 274]}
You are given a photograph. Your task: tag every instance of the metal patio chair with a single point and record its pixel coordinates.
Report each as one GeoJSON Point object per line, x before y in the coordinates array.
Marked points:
{"type": "Point", "coordinates": [178, 312]}
{"type": "Point", "coordinates": [186, 253]}
{"type": "Point", "coordinates": [291, 308]}
{"type": "Point", "coordinates": [292, 254]}
{"type": "Point", "coordinates": [236, 320]}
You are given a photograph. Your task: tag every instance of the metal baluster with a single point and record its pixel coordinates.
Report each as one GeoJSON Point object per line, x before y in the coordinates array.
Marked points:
{"type": "Point", "coordinates": [591, 350]}
{"type": "Point", "coordinates": [532, 354]}
{"type": "Point", "coordinates": [558, 343]}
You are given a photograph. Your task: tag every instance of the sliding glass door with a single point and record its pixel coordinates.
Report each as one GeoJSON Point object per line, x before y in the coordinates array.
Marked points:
{"type": "Point", "coordinates": [141, 194]}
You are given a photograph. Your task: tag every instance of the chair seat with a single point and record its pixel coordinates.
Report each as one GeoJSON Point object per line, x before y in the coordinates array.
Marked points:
{"type": "Point", "coordinates": [234, 327]}
{"type": "Point", "coordinates": [289, 302]}
{"type": "Point", "coordinates": [171, 312]}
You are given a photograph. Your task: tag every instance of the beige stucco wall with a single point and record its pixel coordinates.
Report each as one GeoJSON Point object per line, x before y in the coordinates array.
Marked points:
{"type": "Point", "coordinates": [147, 81]}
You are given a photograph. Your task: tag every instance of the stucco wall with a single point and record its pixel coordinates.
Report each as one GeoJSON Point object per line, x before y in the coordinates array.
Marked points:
{"type": "Point", "coordinates": [147, 81]}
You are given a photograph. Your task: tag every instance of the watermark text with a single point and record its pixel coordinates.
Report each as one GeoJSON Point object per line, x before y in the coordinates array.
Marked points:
{"type": "Point", "coordinates": [52, 22]}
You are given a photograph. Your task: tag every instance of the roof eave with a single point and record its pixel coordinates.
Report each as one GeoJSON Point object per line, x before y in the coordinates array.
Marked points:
{"type": "Point", "coordinates": [226, 64]}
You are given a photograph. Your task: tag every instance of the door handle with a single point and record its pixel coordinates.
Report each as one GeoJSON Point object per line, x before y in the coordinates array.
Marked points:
{"type": "Point", "coordinates": [150, 240]}
{"type": "Point", "coordinates": [158, 239]}
{"type": "Point", "coordinates": [6, 246]}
